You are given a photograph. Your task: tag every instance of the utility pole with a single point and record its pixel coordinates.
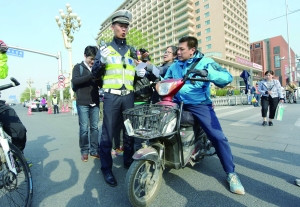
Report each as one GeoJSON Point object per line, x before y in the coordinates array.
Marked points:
{"type": "Point", "coordinates": [29, 82]}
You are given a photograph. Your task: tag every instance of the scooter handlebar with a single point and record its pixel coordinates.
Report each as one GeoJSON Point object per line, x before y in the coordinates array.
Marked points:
{"type": "Point", "coordinates": [10, 85]}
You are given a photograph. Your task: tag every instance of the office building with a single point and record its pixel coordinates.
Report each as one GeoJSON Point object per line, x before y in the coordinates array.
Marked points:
{"type": "Point", "coordinates": [272, 54]}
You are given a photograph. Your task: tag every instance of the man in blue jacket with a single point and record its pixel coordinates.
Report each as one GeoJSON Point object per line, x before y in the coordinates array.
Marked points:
{"type": "Point", "coordinates": [196, 99]}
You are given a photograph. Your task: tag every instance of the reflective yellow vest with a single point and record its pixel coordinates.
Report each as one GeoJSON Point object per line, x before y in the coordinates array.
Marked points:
{"type": "Point", "coordinates": [115, 74]}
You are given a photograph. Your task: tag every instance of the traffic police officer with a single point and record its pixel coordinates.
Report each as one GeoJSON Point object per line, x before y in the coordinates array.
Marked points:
{"type": "Point", "coordinates": [115, 63]}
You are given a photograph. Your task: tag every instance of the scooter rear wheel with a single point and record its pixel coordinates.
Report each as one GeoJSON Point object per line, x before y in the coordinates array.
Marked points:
{"type": "Point", "coordinates": [143, 181]}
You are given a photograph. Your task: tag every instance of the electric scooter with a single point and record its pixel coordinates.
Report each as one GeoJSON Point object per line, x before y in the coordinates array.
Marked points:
{"type": "Point", "coordinates": [170, 137]}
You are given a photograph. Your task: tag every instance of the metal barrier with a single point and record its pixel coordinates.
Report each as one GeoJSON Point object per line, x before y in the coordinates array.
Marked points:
{"type": "Point", "coordinates": [230, 100]}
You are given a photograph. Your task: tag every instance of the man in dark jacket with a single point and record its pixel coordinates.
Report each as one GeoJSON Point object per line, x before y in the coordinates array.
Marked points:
{"type": "Point", "coordinates": [116, 64]}
{"type": "Point", "coordinates": [87, 103]}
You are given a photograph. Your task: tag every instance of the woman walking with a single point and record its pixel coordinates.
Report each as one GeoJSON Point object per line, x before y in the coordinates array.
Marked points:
{"type": "Point", "coordinates": [270, 90]}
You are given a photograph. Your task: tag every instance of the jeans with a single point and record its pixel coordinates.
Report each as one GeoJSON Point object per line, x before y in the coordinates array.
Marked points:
{"type": "Point", "coordinates": [88, 117]}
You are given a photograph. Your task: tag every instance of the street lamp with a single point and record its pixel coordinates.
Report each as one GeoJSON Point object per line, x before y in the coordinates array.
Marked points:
{"type": "Point", "coordinates": [288, 39]}
{"type": "Point", "coordinates": [68, 24]}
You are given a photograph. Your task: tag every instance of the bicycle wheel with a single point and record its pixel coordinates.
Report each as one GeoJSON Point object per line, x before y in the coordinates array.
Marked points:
{"type": "Point", "coordinates": [15, 190]}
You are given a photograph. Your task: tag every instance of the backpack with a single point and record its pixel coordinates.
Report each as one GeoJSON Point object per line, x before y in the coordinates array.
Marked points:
{"type": "Point", "coordinates": [72, 85]}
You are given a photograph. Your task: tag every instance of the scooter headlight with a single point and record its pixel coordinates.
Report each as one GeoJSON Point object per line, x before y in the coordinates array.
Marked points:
{"type": "Point", "coordinates": [170, 126]}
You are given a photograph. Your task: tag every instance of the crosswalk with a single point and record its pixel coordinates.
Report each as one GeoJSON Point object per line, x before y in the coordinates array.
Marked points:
{"type": "Point", "coordinates": [243, 116]}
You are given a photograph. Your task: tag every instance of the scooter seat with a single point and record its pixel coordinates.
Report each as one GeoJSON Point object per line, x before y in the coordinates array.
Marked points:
{"type": "Point", "coordinates": [187, 119]}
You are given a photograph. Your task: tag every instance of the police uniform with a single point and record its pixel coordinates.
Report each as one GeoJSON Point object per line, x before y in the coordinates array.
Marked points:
{"type": "Point", "coordinates": [118, 75]}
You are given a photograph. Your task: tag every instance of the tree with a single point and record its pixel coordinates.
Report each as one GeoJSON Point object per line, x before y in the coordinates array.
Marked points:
{"type": "Point", "coordinates": [25, 96]}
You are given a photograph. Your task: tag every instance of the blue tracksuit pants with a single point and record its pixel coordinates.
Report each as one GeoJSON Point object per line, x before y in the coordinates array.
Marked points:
{"type": "Point", "coordinates": [208, 120]}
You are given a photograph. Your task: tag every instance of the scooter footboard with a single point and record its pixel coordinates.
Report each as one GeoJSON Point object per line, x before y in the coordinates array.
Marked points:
{"type": "Point", "coordinates": [148, 153]}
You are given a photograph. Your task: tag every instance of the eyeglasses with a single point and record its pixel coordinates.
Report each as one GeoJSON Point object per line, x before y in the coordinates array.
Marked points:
{"type": "Point", "coordinates": [168, 52]}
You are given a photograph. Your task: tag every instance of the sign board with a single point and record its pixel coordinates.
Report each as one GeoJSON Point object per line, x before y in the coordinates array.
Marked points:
{"type": "Point", "coordinates": [15, 52]}
{"type": "Point", "coordinates": [61, 85]}
{"type": "Point", "coordinates": [61, 78]}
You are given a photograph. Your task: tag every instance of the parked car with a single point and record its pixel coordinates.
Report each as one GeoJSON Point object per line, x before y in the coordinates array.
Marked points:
{"type": "Point", "coordinates": [34, 106]}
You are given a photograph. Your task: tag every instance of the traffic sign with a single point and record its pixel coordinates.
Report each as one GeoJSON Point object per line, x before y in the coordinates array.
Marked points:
{"type": "Point", "coordinates": [15, 52]}
{"type": "Point", "coordinates": [61, 85]}
{"type": "Point", "coordinates": [61, 78]}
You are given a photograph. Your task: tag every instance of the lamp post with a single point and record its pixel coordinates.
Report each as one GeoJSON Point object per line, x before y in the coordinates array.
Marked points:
{"type": "Point", "coordinates": [288, 40]}
{"type": "Point", "coordinates": [68, 23]}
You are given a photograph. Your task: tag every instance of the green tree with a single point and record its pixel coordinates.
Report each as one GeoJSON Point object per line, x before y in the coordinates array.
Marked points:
{"type": "Point", "coordinates": [25, 96]}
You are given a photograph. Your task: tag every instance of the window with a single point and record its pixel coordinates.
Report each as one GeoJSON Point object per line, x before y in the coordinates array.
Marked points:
{"type": "Point", "coordinates": [206, 14]}
{"type": "Point", "coordinates": [277, 61]}
{"type": "Point", "coordinates": [208, 46]}
{"type": "Point", "coordinates": [208, 38]}
{"type": "Point", "coordinates": [207, 22]}
{"type": "Point", "coordinates": [197, 11]}
{"type": "Point", "coordinates": [206, 6]}
{"type": "Point", "coordinates": [207, 30]}
{"type": "Point", "coordinates": [276, 50]}
{"type": "Point", "coordinates": [257, 45]}
{"type": "Point", "coordinates": [198, 19]}
{"type": "Point", "coordinates": [278, 73]}
{"type": "Point", "coordinates": [197, 3]}
{"type": "Point", "coordinates": [198, 26]}
{"type": "Point", "coordinates": [199, 42]}
{"type": "Point", "coordinates": [199, 34]}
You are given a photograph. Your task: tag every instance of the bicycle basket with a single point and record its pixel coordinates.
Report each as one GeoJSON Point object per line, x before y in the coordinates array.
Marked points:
{"type": "Point", "coordinates": [149, 121]}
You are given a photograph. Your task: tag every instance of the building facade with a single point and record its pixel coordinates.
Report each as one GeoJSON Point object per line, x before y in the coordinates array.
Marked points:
{"type": "Point", "coordinates": [221, 28]}
{"type": "Point", "coordinates": [272, 54]}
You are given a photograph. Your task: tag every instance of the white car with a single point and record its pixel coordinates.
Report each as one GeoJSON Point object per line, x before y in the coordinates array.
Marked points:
{"type": "Point", "coordinates": [33, 105]}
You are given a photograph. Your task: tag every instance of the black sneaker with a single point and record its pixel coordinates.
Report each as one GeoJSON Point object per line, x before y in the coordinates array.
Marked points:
{"type": "Point", "coordinates": [270, 123]}
{"type": "Point", "coordinates": [264, 123]}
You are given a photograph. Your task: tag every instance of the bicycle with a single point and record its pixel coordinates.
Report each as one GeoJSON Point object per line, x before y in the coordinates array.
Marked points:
{"type": "Point", "coordinates": [290, 97]}
{"type": "Point", "coordinates": [16, 187]}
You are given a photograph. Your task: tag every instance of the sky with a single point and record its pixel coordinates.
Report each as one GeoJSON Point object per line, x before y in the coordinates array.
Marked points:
{"type": "Point", "coordinates": [31, 24]}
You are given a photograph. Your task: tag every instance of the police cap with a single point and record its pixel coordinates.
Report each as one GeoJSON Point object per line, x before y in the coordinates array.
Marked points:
{"type": "Point", "coordinates": [121, 16]}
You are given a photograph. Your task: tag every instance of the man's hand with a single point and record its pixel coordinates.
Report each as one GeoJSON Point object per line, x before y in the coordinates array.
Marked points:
{"type": "Point", "coordinates": [141, 72]}
{"type": "Point", "coordinates": [104, 52]}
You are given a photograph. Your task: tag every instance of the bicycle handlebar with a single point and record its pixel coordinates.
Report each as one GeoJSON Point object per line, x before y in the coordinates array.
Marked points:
{"type": "Point", "coordinates": [10, 85]}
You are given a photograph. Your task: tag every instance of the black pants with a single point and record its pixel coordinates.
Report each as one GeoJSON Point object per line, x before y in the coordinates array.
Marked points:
{"type": "Point", "coordinates": [113, 107]}
{"type": "Point", "coordinates": [271, 103]}
{"type": "Point", "coordinates": [13, 126]}
{"type": "Point", "coordinates": [55, 109]}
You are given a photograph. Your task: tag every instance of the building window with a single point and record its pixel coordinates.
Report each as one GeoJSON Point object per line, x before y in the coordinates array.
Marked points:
{"type": "Point", "coordinates": [208, 38]}
{"type": "Point", "coordinates": [206, 6]}
{"type": "Point", "coordinates": [257, 45]}
{"type": "Point", "coordinates": [197, 11]}
{"type": "Point", "coordinates": [208, 46]}
{"type": "Point", "coordinates": [199, 34]}
{"type": "Point", "coordinates": [278, 73]}
{"type": "Point", "coordinates": [276, 50]}
{"type": "Point", "coordinates": [197, 18]}
{"type": "Point", "coordinates": [207, 22]}
{"type": "Point", "coordinates": [206, 14]}
{"type": "Point", "coordinates": [199, 42]}
{"type": "Point", "coordinates": [207, 30]}
{"type": "Point", "coordinates": [198, 26]}
{"type": "Point", "coordinates": [197, 3]}
{"type": "Point", "coordinates": [277, 61]}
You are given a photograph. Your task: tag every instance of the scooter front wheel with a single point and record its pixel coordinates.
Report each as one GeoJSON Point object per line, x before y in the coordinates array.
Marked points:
{"type": "Point", "coordinates": [143, 181]}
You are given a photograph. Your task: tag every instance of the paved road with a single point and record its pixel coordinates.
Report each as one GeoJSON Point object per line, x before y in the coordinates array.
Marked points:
{"type": "Point", "coordinates": [267, 160]}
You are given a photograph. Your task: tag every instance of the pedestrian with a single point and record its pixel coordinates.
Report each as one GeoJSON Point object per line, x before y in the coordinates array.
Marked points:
{"type": "Point", "coordinates": [291, 89]}
{"type": "Point", "coordinates": [112, 63]}
{"type": "Point", "coordinates": [271, 92]}
{"type": "Point", "coordinates": [11, 122]}
{"type": "Point", "coordinates": [43, 103]}
{"type": "Point", "coordinates": [87, 103]}
{"type": "Point", "coordinates": [55, 104]}
{"type": "Point", "coordinates": [195, 98]}
{"type": "Point", "coordinates": [256, 95]}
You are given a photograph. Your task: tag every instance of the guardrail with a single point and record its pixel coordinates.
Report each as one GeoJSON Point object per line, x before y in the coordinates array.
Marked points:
{"type": "Point", "coordinates": [230, 100]}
